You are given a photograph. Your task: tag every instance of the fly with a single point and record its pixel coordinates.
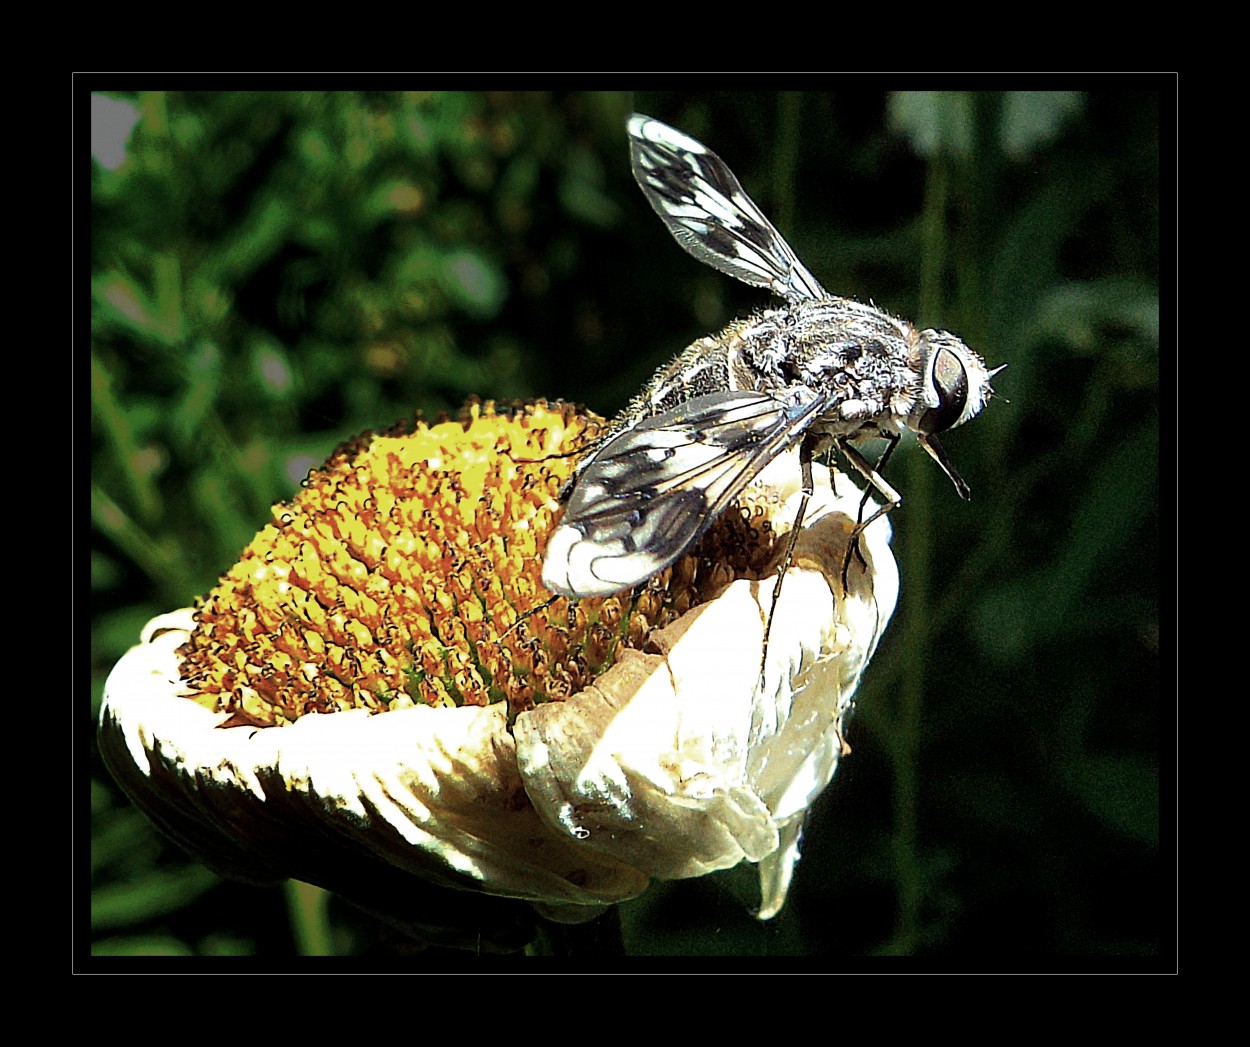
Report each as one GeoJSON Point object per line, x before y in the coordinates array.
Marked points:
{"type": "Point", "coordinates": [820, 371]}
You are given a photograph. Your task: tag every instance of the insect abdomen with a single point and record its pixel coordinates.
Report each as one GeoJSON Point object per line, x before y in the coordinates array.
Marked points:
{"type": "Point", "coordinates": [711, 364]}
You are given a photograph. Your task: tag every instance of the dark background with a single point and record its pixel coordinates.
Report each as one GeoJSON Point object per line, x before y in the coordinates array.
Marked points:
{"type": "Point", "coordinates": [273, 272]}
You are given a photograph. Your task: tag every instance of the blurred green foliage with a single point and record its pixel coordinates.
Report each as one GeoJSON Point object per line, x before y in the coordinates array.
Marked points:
{"type": "Point", "coordinates": [274, 272]}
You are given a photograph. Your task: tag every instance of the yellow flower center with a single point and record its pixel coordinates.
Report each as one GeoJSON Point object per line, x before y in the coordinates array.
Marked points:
{"type": "Point", "coordinates": [407, 571]}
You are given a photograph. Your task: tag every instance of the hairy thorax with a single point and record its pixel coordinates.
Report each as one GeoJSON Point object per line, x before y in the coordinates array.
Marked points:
{"type": "Point", "coordinates": [865, 358]}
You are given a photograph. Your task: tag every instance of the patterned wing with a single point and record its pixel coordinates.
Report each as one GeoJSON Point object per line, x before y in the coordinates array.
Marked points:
{"type": "Point", "coordinates": [652, 490]}
{"type": "Point", "coordinates": [707, 212]}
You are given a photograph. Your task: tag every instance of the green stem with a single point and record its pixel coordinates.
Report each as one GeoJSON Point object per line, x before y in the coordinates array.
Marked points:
{"type": "Point", "coordinates": [786, 159]}
{"type": "Point", "coordinates": [907, 727]}
{"type": "Point", "coordinates": [596, 938]}
{"type": "Point", "coordinates": [309, 923]}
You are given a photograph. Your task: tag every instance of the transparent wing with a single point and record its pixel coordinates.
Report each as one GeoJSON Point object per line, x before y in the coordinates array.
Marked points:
{"type": "Point", "coordinates": [706, 210]}
{"type": "Point", "coordinates": [651, 491]}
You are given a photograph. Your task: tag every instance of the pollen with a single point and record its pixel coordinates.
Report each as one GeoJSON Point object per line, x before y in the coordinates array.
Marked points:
{"type": "Point", "coordinates": [407, 571]}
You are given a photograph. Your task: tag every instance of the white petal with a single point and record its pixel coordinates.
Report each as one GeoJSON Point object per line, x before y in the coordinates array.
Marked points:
{"type": "Point", "coordinates": [671, 765]}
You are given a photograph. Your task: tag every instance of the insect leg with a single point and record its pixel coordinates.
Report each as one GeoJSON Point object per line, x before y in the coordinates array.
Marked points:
{"type": "Point", "coordinates": [873, 475]}
{"type": "Point", "coordinates": [527, 614]}
{"type": "Point", "coordinates": [807, 451]}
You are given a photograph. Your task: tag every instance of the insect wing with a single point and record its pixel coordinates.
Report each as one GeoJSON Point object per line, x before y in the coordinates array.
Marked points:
{"type": "Point", "coordinates": [652, 490]}
{"type": "Point", "coordinates": [708, 213]}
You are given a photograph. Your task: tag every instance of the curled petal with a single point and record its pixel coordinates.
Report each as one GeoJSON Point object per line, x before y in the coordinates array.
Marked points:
{"type": "Point", "coordinates": [702, 751]}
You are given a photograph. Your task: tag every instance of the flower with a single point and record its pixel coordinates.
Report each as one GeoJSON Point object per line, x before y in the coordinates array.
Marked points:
{"type": "Point", "coordinates": [381, 682]}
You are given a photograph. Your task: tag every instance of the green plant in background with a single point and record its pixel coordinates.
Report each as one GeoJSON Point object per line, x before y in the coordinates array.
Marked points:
{"type": "Point", "coordinates": [272, 273]}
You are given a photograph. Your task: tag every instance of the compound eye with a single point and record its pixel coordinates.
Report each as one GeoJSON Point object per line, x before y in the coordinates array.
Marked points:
{"type": "Point", "coordinates": [950, 381]}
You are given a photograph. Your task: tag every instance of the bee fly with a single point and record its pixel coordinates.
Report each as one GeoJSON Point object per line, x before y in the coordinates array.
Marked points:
{"type": "Point", "coordinates": [820, 371]}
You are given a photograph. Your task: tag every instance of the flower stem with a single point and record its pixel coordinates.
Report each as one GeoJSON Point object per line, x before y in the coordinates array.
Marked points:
{"type": "Point", "coordinates": [598, 937]}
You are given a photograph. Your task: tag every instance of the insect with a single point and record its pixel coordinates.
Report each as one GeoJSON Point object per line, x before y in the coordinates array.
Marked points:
{"type": "Point", "coordinates": [819, 371]}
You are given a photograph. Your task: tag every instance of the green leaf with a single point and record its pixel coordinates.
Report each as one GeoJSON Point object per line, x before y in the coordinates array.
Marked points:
{"type": "Point", "coordinates": [933, 121]}
{"type": "Point", "coordinates": [1030, 119]}
{"type": "Point", "coordinates": [474, 283]}
{"type": "Point", "coordinates": [1050, 602]}
{"type": "Point", "coordinates": [1121, 791]}
{"type": "Point", "coordinates": [141, 945]}
{"type": "Point", "coordinates": [149, 896]}
{"type": "Point", "coordinates": [1078, 313]}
